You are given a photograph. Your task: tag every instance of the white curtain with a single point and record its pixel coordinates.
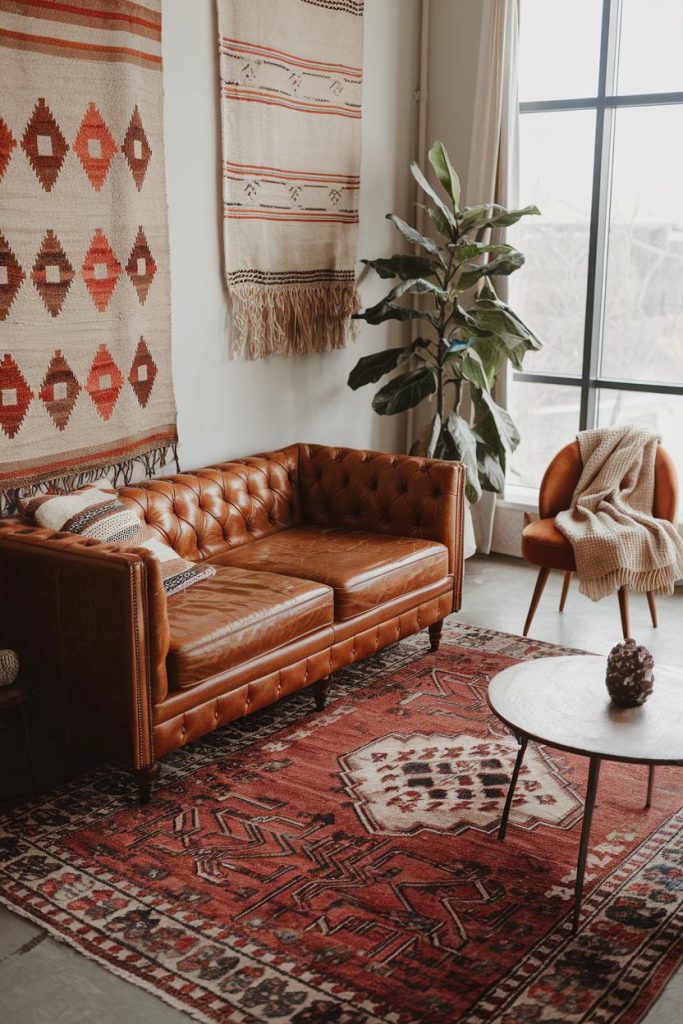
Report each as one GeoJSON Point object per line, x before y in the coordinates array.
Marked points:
{"type": "Point", "coordinates": [493, 169]}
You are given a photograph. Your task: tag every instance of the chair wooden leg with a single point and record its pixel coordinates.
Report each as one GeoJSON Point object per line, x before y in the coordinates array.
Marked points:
{"type": "Point", "coordinates": [541, 581]}
{"type": "Point", "coordinates": [653, 607]}
{"type": "Point", "coordinates": [623, 611]}
{"type": "Point", "coordinates": [565, 589]}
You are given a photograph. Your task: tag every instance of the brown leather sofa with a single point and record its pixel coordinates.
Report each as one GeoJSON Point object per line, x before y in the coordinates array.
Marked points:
{"type": "Point", "coordinates": [323, 556]}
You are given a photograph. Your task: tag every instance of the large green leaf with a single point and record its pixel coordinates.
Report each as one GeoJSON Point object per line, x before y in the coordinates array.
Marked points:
{"type": "Point", "coordinates": [405, 267]}
{"type": "Point", "coordinates": [369, 369]}
{"type": "Point", "coordinates": [492, 355]}
{"type": "Point", "coordinates": [500, 320]}
{"type": "Point", "coordinates": [471, 216]}
{"type": "Point", "coordinates": [441, 224]}
{"type": "Point", "coordinates": [507, 218]}
{"type": "Point", "coordinates": [491, 473]}
{"type": "Point", "coordinates": [481, 218]}
{"type": "Point", "coordinates": [427, 439]}
{"type": "Point", "coordinates": [460, 440]}
{"type": "Point", "coordinates": [472, 369]}
{"type": "Point", "coordinates": [465, 320]}
{"type": "Point", "coordinates": [404, 392]}
{"type": "Point", "coordinates": [388, 309]}
{"type": "Point", "coordinates": [504, 264]}
{"type": "Point", "coordinates": [445, 172]}
{"type": "Point", "coordinates": [495, 426]}
{"type": "Point", "coordinates": [413, 236]}
{"type": "Point", "coordinates": [470, 250]}
{"type": "Point", "coordinates": [427, 188]}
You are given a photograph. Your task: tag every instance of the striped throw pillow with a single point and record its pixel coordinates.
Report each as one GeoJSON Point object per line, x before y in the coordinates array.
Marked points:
{"type": "Point", "coordinates": [96, 511]}
{"type": "Point", "coordinates": [176, 573]}
{"type": "Point", "coordinates": [91, 511]}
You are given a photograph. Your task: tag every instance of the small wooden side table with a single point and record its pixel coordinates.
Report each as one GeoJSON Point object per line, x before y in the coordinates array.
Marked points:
{"type": "Point", "coordinates": [563, 702]}
{"type": "Point", "coordinates": [13, 701]}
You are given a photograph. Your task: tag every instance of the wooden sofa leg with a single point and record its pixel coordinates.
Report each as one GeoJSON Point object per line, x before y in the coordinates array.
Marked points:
{"type": "Point", "coordinates": [435, 631]}
{"type": "Point", "coordinates": [320, 690]}
{"type": "Point", "coordinates": [144, 780]}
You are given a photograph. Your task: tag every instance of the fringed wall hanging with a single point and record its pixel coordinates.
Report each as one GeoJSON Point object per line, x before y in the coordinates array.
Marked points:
{"type": "Point", "coordinates": [85, 354]}
{"type": "Point", "coordinates": [291, 85]}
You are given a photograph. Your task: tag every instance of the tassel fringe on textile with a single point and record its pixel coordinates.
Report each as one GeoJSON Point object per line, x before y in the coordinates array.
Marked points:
{"type": "Point", "coordinates": [656, 581]}
{"type": "Point", "coordinates": [121, 474]}
{"type": "Point", "coordinates": [292, 319]}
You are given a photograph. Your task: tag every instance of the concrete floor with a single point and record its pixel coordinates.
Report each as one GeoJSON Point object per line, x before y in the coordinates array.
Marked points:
{"type": "Point", "coordinates": [44, 981]}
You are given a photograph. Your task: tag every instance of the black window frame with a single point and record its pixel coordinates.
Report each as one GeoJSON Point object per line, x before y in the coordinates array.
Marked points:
{"type": "Point", "coordinates": [605, 105]}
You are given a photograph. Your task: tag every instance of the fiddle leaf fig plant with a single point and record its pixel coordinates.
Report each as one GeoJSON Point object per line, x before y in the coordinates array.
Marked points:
{"type": "Point", "coordinates": [466, 331]}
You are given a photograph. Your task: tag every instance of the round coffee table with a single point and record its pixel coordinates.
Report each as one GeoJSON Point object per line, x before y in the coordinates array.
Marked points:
{"type": "Point", "coordinates": [563, 703]}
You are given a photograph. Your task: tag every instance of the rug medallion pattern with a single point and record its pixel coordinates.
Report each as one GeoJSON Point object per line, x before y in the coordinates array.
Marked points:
{"type": "Point", "coordinates": [343, 867]}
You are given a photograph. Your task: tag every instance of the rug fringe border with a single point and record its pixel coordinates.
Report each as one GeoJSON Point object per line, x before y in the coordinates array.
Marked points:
{"type": "Point", "coordinates": [121, 972]}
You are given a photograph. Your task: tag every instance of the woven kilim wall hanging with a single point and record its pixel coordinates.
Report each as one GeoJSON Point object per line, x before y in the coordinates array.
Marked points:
{"type": "Point", "coordinates": [85, 371]}
{"type": "Point", "coordinates": [291, 85]}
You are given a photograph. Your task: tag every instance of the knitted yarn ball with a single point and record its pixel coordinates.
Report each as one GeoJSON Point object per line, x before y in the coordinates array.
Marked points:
{"type": "Point", "coordinates": [630, 678]}
{"type": "Point", "coordinates": [9, 667]}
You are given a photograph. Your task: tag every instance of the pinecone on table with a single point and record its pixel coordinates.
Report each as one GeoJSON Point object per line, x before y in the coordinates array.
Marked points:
{"type": "Point", "coordinates": [630, 678]}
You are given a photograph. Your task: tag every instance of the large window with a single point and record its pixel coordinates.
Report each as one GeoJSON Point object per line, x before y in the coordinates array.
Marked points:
{"type": "Point", "coordinates": [601, 150]}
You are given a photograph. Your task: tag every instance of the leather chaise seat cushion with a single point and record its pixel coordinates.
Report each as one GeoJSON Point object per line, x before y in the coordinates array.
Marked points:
{"type": "Point", "coordinates": [364, 569]}
{"type": "Point", "coordinates": [238, 615]}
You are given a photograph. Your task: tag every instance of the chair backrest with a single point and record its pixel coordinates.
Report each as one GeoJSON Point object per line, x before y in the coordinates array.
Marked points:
{"type": "Point", "coordinates": [563, 474]}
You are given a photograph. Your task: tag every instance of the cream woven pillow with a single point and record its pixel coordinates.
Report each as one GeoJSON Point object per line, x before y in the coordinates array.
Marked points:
{"type": "Point", "coordinates": [91, 511]}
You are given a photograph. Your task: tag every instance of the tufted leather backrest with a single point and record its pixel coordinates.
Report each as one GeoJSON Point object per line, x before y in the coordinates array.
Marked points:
{"type": "Point", "coordinates": [362, 490]}
{"type": "Point", "coordinates": [203, 513]}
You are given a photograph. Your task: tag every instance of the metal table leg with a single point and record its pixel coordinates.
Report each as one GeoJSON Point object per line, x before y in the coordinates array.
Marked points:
{"type": "Point", "coordinates": [650, 785]}
{"type": "Point", "coordinates": [522, 740]}
{"type": "Point", "coordinates": [593, 776]}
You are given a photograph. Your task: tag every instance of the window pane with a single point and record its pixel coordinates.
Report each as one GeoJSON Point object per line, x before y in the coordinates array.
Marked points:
{"type": "Point", "coordinates": [663, 414]}
{"type": "Point", "coordinates": [559, 49]}
{"type": "Point", "coordinates": [556, 170]}
{"type": "Point", "coordinates": [643, 334]}
{"type": "Point", "coordinates": [547, 417]}
{"type": "Point", "coordinates": [650, 47]}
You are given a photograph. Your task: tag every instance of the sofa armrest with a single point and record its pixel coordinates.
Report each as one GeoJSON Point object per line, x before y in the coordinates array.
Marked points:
{"type": "Point", "coordinates": [396, 494]}
{"type": "Point", "coordinates": [87, 621]}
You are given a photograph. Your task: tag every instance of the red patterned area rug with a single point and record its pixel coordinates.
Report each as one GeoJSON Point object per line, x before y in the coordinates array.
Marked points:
{"type": "Point", "coordinates": [343, 867]}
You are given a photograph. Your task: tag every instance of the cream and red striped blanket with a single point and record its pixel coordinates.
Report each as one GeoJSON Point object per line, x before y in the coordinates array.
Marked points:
{"type": "Point", "coordinates": [291, 85]}
{"type": "Point", "coordinates": [85, 360]}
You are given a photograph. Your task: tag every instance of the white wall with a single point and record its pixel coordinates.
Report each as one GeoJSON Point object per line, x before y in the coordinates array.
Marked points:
{"type": "Point", "coordinates": [227, 407]}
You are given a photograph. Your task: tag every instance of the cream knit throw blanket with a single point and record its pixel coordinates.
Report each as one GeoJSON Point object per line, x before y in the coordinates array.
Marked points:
{"type": "Point", "coordinates": [291, 84]}
{"type": "Point", "coordinates": [616, 540]}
